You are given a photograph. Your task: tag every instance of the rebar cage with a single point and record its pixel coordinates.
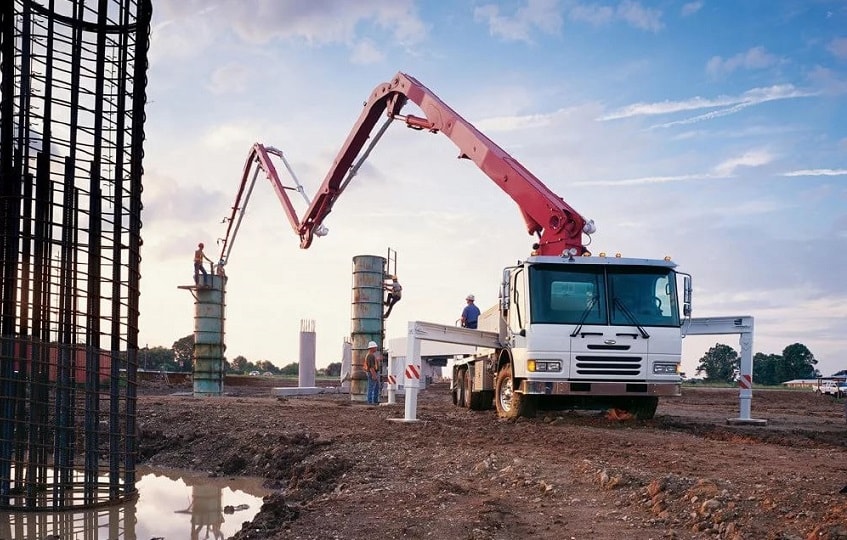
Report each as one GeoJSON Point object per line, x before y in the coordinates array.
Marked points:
{"type": "Point", "coordinates": [72, 98]}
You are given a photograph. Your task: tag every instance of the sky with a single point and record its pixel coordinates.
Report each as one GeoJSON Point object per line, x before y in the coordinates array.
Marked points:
{"type": "Point", "coordinates": [713, 132]}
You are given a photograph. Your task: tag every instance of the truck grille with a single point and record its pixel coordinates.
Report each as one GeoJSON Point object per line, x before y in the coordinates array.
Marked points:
{"type": "Point", "coordinates": [608, 365]}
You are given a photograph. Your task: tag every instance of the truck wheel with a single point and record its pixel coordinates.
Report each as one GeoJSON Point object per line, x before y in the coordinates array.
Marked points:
{"type": "Point", "coordinates": [459, 393]}
{"type": "Point", "coordinates": [644, 408]}
{"type": "Point", "coordinates": [510, 404]}
{"type": "Point", "coordinates": [473, 400]}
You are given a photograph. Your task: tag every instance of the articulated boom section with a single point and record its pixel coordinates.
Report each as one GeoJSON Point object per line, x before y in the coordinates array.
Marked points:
{"type": "Point", "coordinates": [558, 226]}
{"type": "Point", "coordinates": [259, 161]}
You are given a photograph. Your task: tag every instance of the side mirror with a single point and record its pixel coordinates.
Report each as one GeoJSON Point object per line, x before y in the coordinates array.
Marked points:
{"type": "Point", "coordinates": [505, 292]}
{"type": "Point", "coordinates": [686, 295]}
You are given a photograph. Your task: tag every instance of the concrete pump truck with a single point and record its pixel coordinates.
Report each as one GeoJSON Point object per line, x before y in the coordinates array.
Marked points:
{"type": "Point", "coordinates": [570, 329]}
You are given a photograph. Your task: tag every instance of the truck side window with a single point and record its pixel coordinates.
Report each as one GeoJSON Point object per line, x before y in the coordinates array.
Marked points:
{"type": "Point", "coordinates": [518, 289]}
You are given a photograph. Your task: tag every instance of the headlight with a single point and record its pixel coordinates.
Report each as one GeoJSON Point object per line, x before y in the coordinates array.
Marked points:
{"type": "Point", "coordinates": [544, 365]}
{"type": "Point", "coordinates": [665, 369]}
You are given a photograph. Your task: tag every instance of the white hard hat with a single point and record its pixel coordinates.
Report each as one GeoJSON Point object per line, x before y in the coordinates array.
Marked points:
{"type": "Point", "coordinates": [470, 297]}
{"type": "Point", "coordinates": [372, 345]}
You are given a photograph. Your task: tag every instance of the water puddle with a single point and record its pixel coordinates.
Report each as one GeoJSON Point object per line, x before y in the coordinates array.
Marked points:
{"type": "Point", "coordinates": [171, 505]}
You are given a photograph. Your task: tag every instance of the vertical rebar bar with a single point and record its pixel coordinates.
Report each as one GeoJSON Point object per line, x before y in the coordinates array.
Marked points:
{"type": "Point", "coordinates": [72, 97]}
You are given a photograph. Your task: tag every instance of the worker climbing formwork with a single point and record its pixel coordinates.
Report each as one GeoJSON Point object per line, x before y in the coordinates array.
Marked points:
{"type": "Point", "coordinates": [395, 291]}
{"type": "Point", "coordinates": [391, 285]}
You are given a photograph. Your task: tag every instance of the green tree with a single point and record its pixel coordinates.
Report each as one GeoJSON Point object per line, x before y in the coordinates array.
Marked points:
{"type": "Point", "coordinates": [156, 358]}
{"type": "Point", "coordinates": [239, 363]}
{"type": "Point", "coordinates": [798, 363]}
{"type": "Point", "coordinates": [291, 369]}
{"type": "Point", "coordinates": [333, 369]}
{"type": "Point", "coordinates": [720, 363]}
{"type": "Point", "coordinates": [183, 349]}
{"type": "Point", "coordinates": [765, 367]}
{"type": "Point", "coordinates": [266, 366]}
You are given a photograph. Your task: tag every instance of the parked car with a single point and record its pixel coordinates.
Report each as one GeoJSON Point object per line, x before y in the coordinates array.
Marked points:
{"type": "Point", "coordinates": [254, 373]}
{"type": "Point", "coordinates": [833, 388]}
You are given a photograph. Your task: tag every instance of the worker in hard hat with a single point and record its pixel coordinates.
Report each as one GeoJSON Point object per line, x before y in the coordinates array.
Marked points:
{"type": "Point", "coordinates": [199, 256]}
{"type": "Point", "coordinates": [395, 291]}
{"type": "Point", "coordinates": [372, 369]}
{"type": "Point", "coordinates": [470, 315]}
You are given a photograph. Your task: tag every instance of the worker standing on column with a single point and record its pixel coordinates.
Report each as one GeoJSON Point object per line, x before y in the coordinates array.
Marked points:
{"type": "Point", "coordinates": [372, 369]}
{"type": "Point", "coordinates": [470, 315]}
{"type": "Point", "coordinates": [199, 256]}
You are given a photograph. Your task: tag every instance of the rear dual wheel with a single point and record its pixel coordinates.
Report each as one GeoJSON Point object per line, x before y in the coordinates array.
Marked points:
{"type": "Point", "coordinates": [459, 389]}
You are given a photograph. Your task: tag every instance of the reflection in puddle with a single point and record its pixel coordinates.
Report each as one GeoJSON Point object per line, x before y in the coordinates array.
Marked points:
{"type": "Point", "coordinates": [171, 505]}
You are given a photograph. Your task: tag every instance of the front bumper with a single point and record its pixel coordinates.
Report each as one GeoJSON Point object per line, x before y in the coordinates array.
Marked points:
{"type": "Point", "coordinates": [600, 388]}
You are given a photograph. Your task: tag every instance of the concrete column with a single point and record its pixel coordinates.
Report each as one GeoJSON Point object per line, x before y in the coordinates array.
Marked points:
{"type": "Point", "coordinates": [367, 321]}
{"type": "Point", "coordinates": [307, 354]}
{"type": "Point", "coordinates": [209, 307]}
{"type": "Point", "coordinates": [346, 363]}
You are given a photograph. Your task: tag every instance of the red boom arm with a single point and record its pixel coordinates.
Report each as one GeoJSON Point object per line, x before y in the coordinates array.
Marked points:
{"type": "Point", "coordinates": [558, 226]}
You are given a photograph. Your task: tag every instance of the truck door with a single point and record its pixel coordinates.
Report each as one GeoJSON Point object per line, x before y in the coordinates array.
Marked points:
{"type": "Point", "coordinates": [518, 320]}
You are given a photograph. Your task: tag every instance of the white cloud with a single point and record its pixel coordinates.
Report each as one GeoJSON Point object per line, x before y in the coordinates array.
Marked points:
{"type": "Point", "coordinates": [755, 58]}
{"type": "Point", "coordinates": [838, 47]}
{"type": "Point", "coordinates": [516, 122]}
{"type": "Point", "coordinates": [752, 158]}
{"type": "Point", "coordinates": [729, 104]}
{"type": "Point", "coordinates": [647, 180]}
{"type": "Point", "coordinates": [366, 52]}
{"type": "Point", "coordinates": [226, 136]}
{"type": "Point", "coordinates": [640, 17]}
{"type": "Point", "coordinates": [329, 21]}
{"type": "Point", "coordinates": [691, 8]}
{"type": "Point", "coordinates": [187, 28]}
{"type": "Point", "coordinates": [725, 169]}
{"type": "Point", "coordinates": [229, 79]}
{"type": "Point", "coordinates": [830, 81]}
{"type": "Point", "coordinates": [817, 172]}
{"type": "Point", "coordinates": [628, 11]}
{"type": "Point", "coordinates": [540, 15]}
{"type": "Point", "coordinates": [546, 16]}
{"type": "Point", "coordinates": [592, 14]}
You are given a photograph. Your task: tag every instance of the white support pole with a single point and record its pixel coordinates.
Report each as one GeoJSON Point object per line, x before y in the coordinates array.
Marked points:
{"type": "Point", "coordinates": [425, 331]}
{"type": "Point", "coordinates": [745, 378]}
{"type": "Point", "coordinates": [346, 364]}
{"type": "Point", "coordinates": [742, 325]}
{"type": "Point", "coordinates": [392, 380]}
{"type": "Point", "coordinates": [412, 382]}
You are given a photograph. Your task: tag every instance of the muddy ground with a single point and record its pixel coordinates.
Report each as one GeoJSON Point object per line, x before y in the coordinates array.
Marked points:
{"type": "Point", "coordinates": [343, 470]}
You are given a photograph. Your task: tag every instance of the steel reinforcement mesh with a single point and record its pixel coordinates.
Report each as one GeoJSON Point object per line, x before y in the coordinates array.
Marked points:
{"type": "Point", "coordinates": [72, 98]}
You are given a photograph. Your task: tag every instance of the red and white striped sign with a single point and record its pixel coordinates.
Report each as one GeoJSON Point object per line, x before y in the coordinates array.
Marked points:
{"type": "Point", "coordinates": [412, 372]}
{"type": "Point", "coordinates": [392, 379]}
{"type": "Point", "coordinates": [745, 381]}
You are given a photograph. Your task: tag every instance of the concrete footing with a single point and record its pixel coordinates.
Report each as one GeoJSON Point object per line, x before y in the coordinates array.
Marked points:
{"type": "Point", "coordinates": [308, 391]}
{"type": "Point", "coordinates": [746, 422]}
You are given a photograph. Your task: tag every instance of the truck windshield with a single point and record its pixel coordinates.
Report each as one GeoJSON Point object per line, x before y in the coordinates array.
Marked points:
{"type": "Point", "coordinates": [603, 294]}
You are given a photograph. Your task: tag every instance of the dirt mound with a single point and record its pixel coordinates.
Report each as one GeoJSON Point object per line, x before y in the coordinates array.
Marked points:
{"type": "Point", "coordinates": [342, 470]}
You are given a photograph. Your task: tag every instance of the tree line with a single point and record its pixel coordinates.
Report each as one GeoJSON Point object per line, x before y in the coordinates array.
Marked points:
{"type": "Point", "coordinates": [722, 363]}
{"type": "Point", "coordinates": [179, 357]}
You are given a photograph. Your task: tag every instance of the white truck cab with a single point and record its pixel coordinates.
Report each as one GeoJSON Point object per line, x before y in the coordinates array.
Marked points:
{"type": "Point", "coordinates": [583, 330]}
